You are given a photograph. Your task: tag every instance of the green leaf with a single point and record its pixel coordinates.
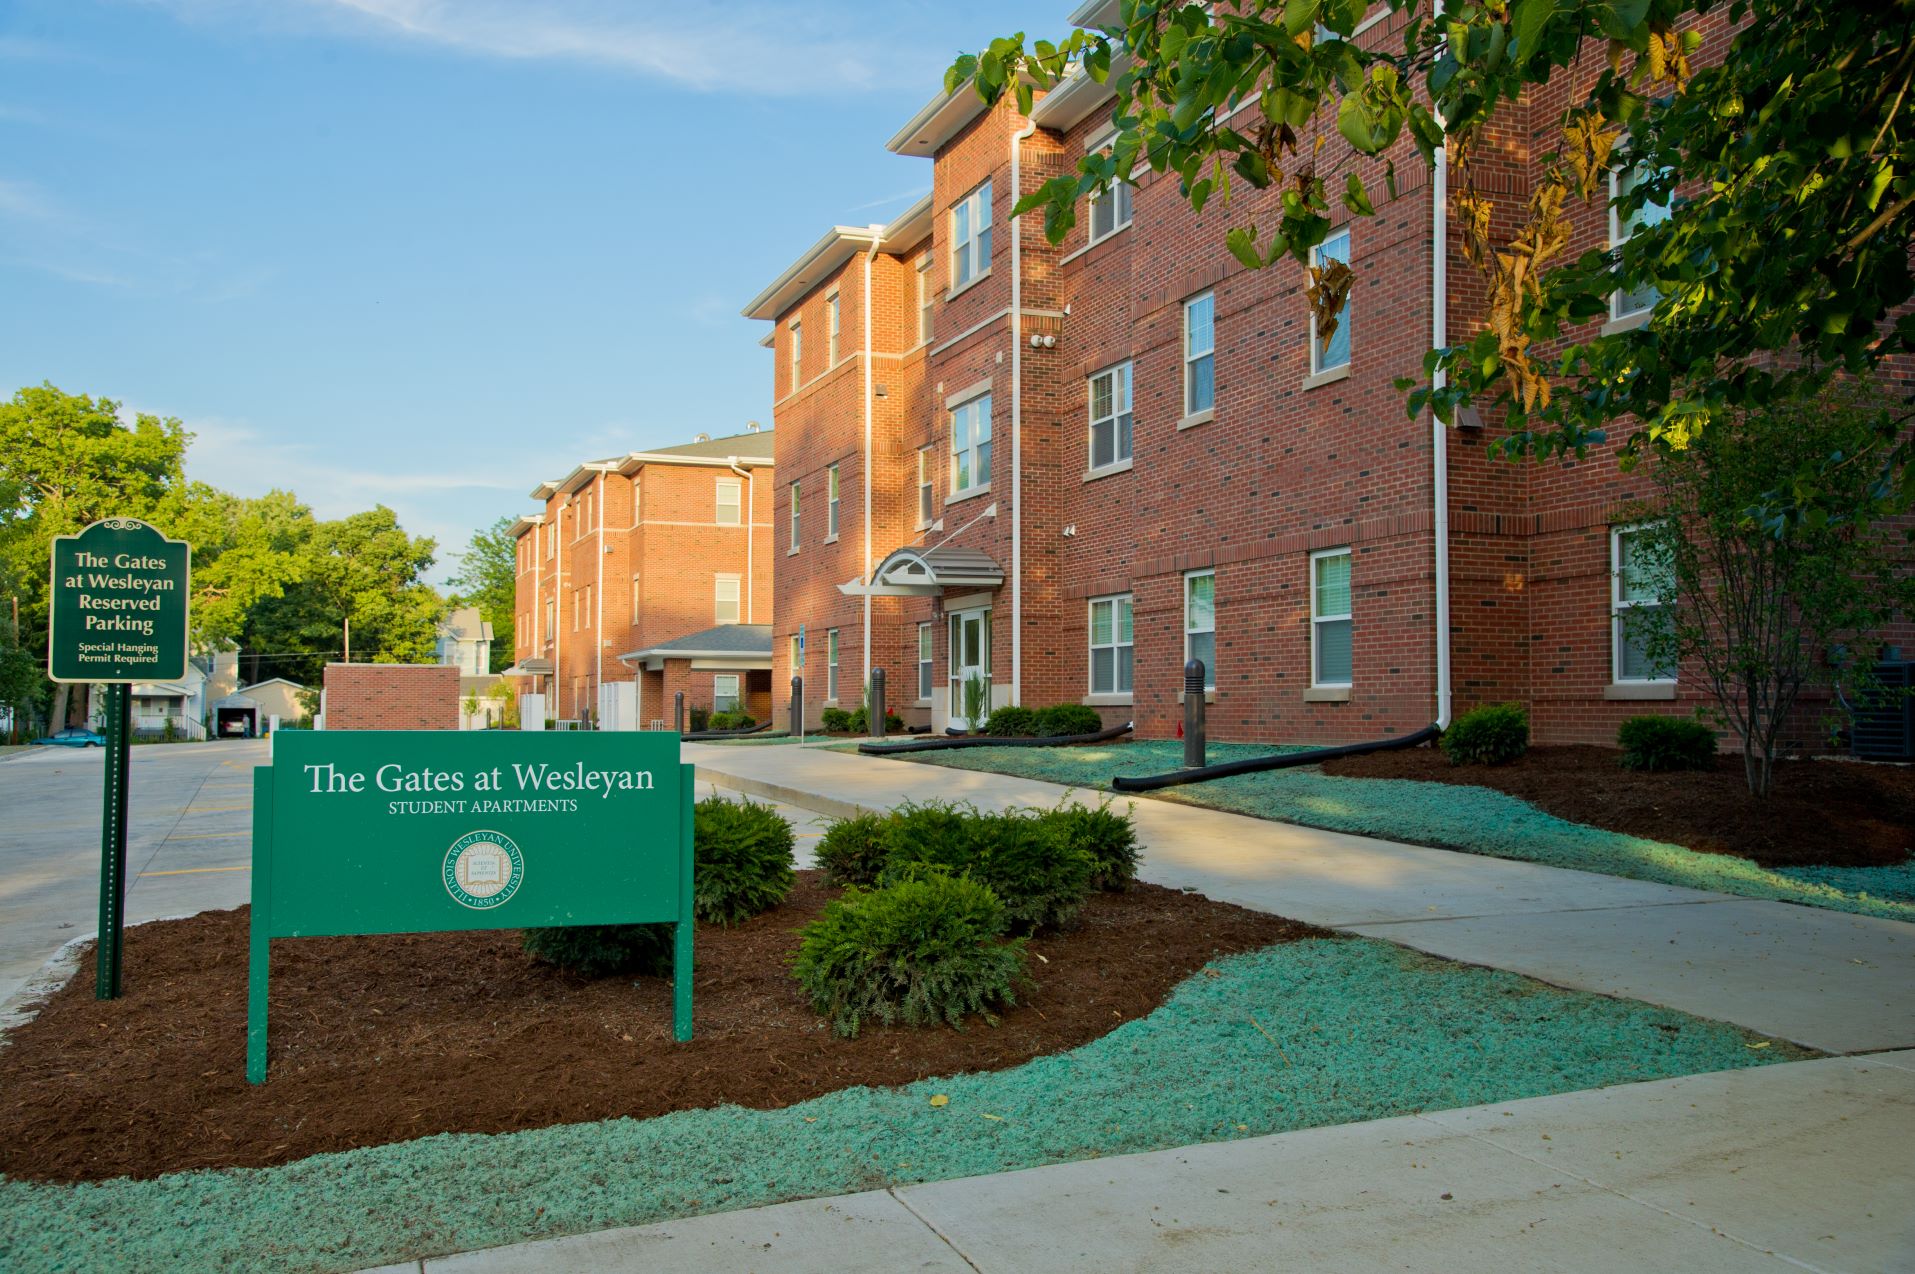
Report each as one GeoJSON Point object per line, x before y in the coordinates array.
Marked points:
{"type": "Point", "coordinates": [1242, 243]}
{"type": "Point", "coordinates": [1356, 199]}
{"type": "Point", "coordinates": [1528, 17]}
{"type": "Point", "coordinates": [1299, 16]}
{"type": "Point", "coordinates": [1357, 124]}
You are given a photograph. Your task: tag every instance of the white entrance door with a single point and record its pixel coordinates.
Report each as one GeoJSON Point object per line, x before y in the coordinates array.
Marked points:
{"type": "Point", "coordinates": [970, 664]}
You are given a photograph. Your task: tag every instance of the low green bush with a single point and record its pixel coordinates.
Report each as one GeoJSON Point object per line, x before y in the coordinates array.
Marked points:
{"type": "Point", "coordinates": [934, 832]}
{"type": "Point", "coordinates": [1666, 743]}
{"type": "Point", "coordinates": [732, 721]}
{"type": "Point", "coordinates": [1040, 877]}
{"type": "Point", "coordinates": [853, 850]}
{"type": "Point", "coordinates": [1109, 838]}
{"type": "Point", "coordinates": [742, 860]}
{"type": "Point", "coordinates": [919, 952]}
{"type": "Point", "coordinates": [697, 719]}
{"type": "Point", "coordinates": [1489, 735]}
{"type": "Point", "coordinates": [598, 951]}
{"type": "Point", "coordinates": [1012, 721]}
{"type": "Point", "coordinates": [1068, 718]}
{"type": "Point", "coordinates": [835, 720]}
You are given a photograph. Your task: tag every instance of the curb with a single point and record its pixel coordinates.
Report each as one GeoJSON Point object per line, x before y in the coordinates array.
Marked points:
{"type": "Point", "coordinates": [828, 806]}
{"type": "Point", "coordinates": [25, 1004]}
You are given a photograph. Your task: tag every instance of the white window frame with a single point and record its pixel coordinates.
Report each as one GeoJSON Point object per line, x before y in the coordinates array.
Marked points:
{"type": "Point", "coordinates": [926, 649]}
{"type": "Point", "coordinates": [1194, 356]}
{"type": "Point", "coordinates": [973, 416]}
{"type": "Point", "coordinates": [736, 489]}
{"type": "Point", "coordinates": [1118, 200]}
{"type": "Point", "coordinates": [831, 503]}
{"type": "Point", "coordinates": [797, 504]}
{"type": "Point", "coordinates": [1317, 618]}
{"type": "Point", "coordinates": [971, 246]}
{"type": "Point", "coordinates": [831, 665]}
{"type": "Point", "coordinates": [1619, 607]}
{"type": "Point", "coordinates": [720, 601]}
{"type": "Point", "coordinates": [1121, 604]}
{"type": "Point", "coordinates": [1210, 666]}
{"type": "Point", "coordinates": [796, 340]}
{"type": "Point", "coordinates": [926, 299]}
{"type": "Point", "coordinates": [927, 497]}
{"type": "Point", "coordinates": [1121, 419]}
{"type": "Point", "coordinates": [1317, 254]}
{"type": "Point", "coordinates": [833, 322]}
{"type": "Point", "coordinates": [719, 696]}
{"type": "Point", "coordinates": [1619, 235]}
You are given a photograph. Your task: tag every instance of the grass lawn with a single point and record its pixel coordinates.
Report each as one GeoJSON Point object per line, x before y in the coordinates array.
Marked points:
{"type": "Point", "coordinates": [1472, 819]}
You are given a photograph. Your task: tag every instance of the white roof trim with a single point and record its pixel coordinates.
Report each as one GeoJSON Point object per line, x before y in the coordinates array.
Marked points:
{"type": "Point", "coordinates": [837, 246]}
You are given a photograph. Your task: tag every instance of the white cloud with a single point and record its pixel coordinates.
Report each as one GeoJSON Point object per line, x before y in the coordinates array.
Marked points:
{"type": "Point", "coordinates": [889, 200]}
{"type": "Point", "coordinates": [25, 200]}
{"type": "Point", "coordinates": [769, 47]}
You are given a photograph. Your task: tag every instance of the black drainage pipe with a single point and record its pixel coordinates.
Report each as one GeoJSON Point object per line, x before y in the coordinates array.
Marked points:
{"type": "Point", "coordinates": [993, 741]}
{"type": "Point", "coordinates": [707, 736]}
{"type": "Point", "coordinates": [1278, 761]}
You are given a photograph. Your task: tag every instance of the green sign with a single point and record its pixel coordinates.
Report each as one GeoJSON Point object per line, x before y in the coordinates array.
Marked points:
{"type": "Point", "coordinates": [418, 831]}
{"type": "Point", "coordinates": [118, 604]}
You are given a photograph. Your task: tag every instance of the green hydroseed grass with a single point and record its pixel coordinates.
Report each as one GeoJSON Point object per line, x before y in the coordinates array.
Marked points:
{"type": "Point", "coordinates": [1476, 820]}
{"type": "Point", "coordinates": [1298, 1035]}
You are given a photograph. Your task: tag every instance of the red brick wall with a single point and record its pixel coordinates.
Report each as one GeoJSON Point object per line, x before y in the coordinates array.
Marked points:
{"type": "Point", "coordinates": [392, 697]}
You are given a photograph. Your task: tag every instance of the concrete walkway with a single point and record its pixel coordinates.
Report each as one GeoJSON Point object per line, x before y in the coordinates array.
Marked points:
{"type": "Point", "coordinates": [1799, 1166]}
{"type": "Point", "coordinates": [1825, 979]}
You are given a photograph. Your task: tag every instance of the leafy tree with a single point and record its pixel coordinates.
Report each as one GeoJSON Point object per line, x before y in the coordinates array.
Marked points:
{"type": "Point", "coordinates": [1793, 156]}
{"type": "Point", "coordinates": [488, 574]}
{"type": "Point", "coordinates": [365, 568]}
{"type": "Point", "coordinates": [66, 461]}
{"type": "Point", "coordinates": [1766, 609]}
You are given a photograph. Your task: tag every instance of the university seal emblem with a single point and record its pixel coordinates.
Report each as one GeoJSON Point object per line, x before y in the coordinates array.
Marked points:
{"type": "Point", "coordinates": [483, 870]}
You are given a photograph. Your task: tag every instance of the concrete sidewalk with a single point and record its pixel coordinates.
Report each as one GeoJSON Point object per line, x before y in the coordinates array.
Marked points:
{"type": "Point", "coordinates": [1832, 981]}
{"type": "Point", "coordinates": [1798, 1166]}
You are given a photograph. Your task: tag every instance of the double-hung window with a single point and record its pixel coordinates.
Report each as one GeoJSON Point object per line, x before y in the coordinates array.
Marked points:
{"type": "Point", "coordinates": [724, 692]}
{"type": "Point", "coordinates": [725, 599]}
{"type": "Point", "coordinates": [551, 618]}
{"type": "Point", "coordinates": [1200, 622]}
{"type": "Point", "coordinates": [924, 299]}
{"type": "Point", "coordinates": [795, 502]}
{"type": "Point", "coordinates": [1111, 651]}
{"type": "Point", "coordinates": [831, 331]}
{"type": "Point", "coordinates": [971, 236]}
{"type": "Point", "coordinates": [1330, 354]}
{"type": "Point", "coordinates": [971, 444]}
{"type": "Point", "coordinates": [1110, 211]}
{"type": "Point", "coordinates": [1200, 349]}
{"type": "Point", "coordinates": [638, 605]}
{"type": "Point", "coordinates": [1110, 423]}
{"type": "Point", "coordinates": [831, 503]}
{"type": "Point", "coordinates": [926, 511]}
{"type": "Point", "coordinates": [797, 331]}
{"type": "Point", "coordinates": [1623, 227]}
{"type": "Point", "coordinates": [729, 506]}
{"type": "Point", "coordinates": [1639, 588]}
{"type": "Point", "coordinates": [831, 664]}
{"type": "Point", "coordinates": [924, 661]}
{"type": "Point", "coordinates": [1331, 638]}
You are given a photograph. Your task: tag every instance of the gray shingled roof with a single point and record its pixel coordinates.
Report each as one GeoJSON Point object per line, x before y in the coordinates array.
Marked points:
{"type": "Point", "coordinates": [745, 444]}
{"type": "Point", "coordinates": [729, 639]}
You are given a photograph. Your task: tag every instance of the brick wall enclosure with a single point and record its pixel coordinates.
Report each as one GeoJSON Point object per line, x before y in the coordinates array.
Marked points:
{"type": "Point", "coordinates": [392, 697]}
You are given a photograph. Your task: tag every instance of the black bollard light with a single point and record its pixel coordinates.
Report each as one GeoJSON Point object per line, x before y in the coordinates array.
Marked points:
{"type": "Point", "coordinates": [1193, 714]}
{"type": "Point", "coordinates": [798, 706]}
{"type": "Point", "coordinates": [876, 724]}
{"type": "Point", "coordinates": [678, 712]}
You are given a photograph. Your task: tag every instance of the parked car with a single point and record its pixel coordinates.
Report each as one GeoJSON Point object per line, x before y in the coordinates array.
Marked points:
{"type": "Point", "coordinates": [76, 737]}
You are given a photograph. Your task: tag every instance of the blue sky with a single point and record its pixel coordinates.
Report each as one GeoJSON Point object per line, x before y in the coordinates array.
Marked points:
{"type": "Point", "coordinates": [427, 253]}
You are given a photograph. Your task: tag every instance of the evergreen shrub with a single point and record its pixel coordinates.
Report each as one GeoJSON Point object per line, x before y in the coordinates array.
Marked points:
{"type": "Point", "coordinates": [598, 951]}
{"type": "Point", "coordinates": [1490, 735]}
{"type": "Point", "coordinates": [1068, 718]}
{"type": "Point", "coordinates": [1666, 743]}
{"type": "Point", "coordinates": [1109, 838]}
{"type": "Point", "coordinates": [742, 854]}
{"type": "Point", "coordinates": [1012, 721]}
{"type": "Point", "coordinates": [853, 850]}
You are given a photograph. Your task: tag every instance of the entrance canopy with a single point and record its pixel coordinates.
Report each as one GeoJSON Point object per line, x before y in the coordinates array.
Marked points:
{"type": "Point", "coordinates": [918, 572]}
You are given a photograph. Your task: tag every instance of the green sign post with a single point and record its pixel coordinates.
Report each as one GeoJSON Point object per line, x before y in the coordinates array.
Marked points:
{"type": "Point", "coordinates": [118, 614]}
{"type": "Point", "coordinates": [402, 831]}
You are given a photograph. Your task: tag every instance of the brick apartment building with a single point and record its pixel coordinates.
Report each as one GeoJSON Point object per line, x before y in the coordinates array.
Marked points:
{"type": "Point", "coordinates": [634, 557]}
{"type": "Point", "coordinates": [1066, 469]}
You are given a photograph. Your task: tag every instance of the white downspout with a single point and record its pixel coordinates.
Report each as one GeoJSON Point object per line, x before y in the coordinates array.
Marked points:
{"type": "Point", "coordinates": [598, 597]}
{"type": "Point", "coordinates": [1017, 419]}
{"type": "Point", "coordinates": [1439, 432]}
{"type": "Point", "coordinates": [870, 408]}
{"type": "Point", "coordinates": [558, 611]}
{"type": "Point", "coordinates": [751, 493]}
